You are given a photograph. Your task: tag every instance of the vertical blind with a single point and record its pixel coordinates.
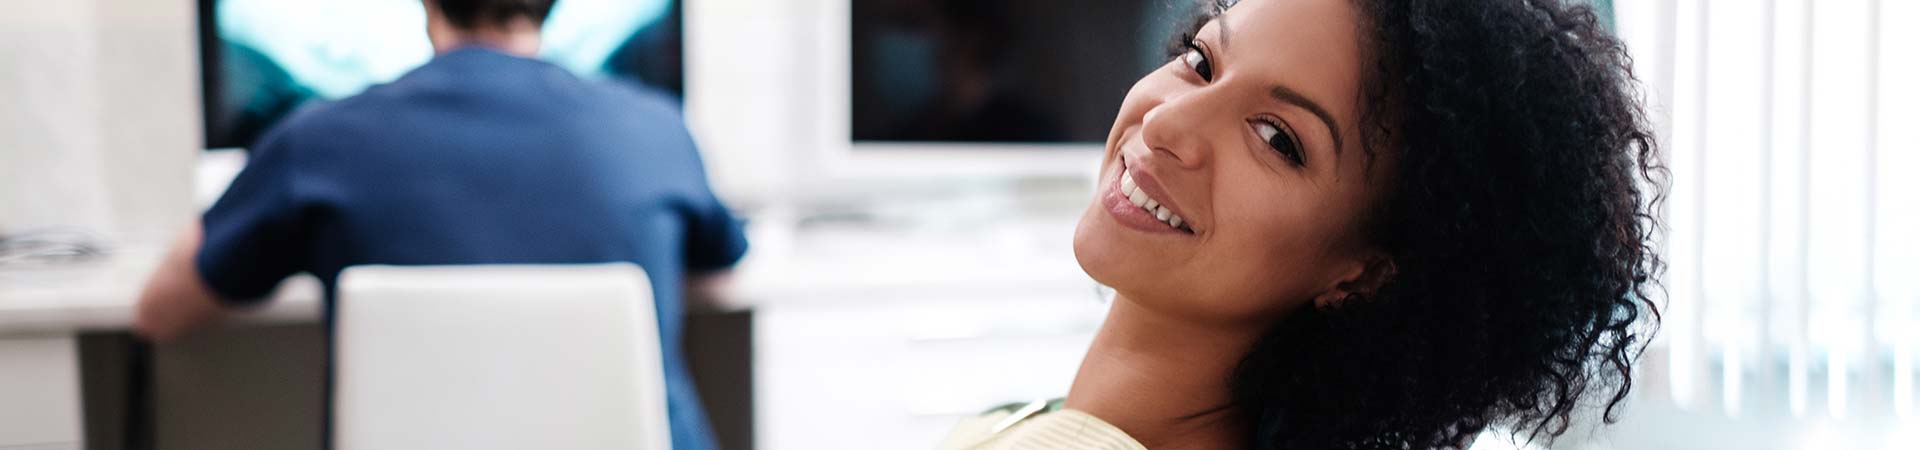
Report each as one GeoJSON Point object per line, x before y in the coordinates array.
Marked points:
{"type": "Point", "coordinates": [1792, 131]}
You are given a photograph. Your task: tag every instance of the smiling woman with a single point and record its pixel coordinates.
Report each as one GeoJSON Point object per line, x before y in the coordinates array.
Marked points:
{"type": "Point", "coordinates": [1364, 224]}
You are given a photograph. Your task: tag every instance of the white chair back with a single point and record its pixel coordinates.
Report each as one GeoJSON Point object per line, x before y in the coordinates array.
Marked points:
{"type": "Point", "coordinates": [498, 357]}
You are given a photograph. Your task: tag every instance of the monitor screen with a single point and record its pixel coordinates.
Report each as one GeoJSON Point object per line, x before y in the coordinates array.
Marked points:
{"type": "Point", "coordinates": [1001, 71]}
{"type": "Point", "coordinates": [261, 59]}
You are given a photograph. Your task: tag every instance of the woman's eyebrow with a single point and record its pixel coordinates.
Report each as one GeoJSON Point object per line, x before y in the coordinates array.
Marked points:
{"type": "Point", "coordinates": [1286, 94]}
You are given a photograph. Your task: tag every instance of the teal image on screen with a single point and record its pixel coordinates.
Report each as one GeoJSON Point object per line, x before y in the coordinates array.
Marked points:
{"type": "Point", "coordinates": [262, 59]}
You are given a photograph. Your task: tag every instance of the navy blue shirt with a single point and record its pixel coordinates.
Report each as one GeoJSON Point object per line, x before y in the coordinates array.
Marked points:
{"type": "Point", "coordinates": [479, 157]}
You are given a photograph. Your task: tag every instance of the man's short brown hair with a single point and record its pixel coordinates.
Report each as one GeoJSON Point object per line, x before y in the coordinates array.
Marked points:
{"type": "Point", "coordinates": [474, 13]}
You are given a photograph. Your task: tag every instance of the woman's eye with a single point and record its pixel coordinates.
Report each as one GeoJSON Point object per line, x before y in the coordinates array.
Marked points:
{"type": "Point", "coordinates": [1198, 62]}
{"type": "Point", "coordinates": [1279, 141]}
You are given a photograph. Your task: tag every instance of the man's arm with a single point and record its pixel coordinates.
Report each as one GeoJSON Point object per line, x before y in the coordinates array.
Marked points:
{"type": "Point", "coordinates": [176, 299]}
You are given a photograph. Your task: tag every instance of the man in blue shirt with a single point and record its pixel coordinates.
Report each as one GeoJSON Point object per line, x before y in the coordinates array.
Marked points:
{"type": "Point", "coordinates": [482, 156]}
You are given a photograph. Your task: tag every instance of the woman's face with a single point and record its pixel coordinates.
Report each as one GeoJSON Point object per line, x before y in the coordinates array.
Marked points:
{"type": "Point", "coordinates": [1250, 143]}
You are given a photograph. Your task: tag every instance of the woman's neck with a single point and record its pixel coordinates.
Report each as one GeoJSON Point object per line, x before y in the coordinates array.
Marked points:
{"type": "Point", "coordinates": [1167, 382]}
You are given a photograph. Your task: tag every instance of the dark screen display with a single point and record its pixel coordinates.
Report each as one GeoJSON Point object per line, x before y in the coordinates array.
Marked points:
{"type": "Point", "coordinates": [1006, 71]}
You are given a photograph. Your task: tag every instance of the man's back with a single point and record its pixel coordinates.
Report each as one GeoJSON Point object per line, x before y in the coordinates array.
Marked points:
{"type": "Point", "coordinates": [478, 157]}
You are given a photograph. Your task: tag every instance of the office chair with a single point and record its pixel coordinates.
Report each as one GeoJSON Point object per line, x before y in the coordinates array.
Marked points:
{"type": "Point", "coordinates": [498, 357]}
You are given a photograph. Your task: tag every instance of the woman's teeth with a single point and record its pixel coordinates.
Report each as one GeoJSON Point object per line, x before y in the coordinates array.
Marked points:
{"type": "Point", "coordinates": [1153, 207]}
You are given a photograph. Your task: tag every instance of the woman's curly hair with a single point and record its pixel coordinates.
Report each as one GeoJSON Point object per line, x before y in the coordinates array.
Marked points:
{"type": "Point", "coordinates": [1519, 227]}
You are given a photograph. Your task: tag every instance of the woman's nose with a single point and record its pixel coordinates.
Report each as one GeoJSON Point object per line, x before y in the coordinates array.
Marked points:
{"type": "Point", "coordinates": [1178, 128]}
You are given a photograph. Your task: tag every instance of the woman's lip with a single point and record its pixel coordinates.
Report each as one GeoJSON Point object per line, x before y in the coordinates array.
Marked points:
{"type": "Point", "coordinates": [1129, 214]}
{"type": "Point", "coordinates": [1144, 179]}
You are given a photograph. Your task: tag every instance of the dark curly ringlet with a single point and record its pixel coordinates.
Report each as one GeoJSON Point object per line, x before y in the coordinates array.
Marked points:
{"type": "Point", "coordinates": [1520, 229]}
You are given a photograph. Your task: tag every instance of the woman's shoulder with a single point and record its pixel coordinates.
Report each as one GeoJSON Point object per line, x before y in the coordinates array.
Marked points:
{"type": "Point", "coordinates": [1042, 424]}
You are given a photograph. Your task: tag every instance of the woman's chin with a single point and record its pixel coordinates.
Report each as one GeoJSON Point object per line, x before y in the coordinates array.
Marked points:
{"type": "Point", "coordinates": [1096, 246]}
{"type": "Point", "coordinates": [1111, 254]}
{"type": "Point", "coordinates": [1158, 277]}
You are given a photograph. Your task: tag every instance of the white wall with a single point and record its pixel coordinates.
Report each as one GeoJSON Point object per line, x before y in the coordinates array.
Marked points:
{"type": "Point", "coordinates": [101, 119]}
{"type": "Point", "coordinates": [750, 100]}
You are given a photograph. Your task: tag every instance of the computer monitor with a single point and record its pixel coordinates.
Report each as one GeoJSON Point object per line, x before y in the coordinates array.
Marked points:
{"type": "Point", "coordinates": [997, 87]}
{"type": "Point", "coordinates": [261, 59]}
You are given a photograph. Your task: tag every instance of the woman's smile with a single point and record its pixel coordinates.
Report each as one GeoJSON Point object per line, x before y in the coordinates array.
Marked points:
{"type": "Point", "coordinates": [1137, 200]}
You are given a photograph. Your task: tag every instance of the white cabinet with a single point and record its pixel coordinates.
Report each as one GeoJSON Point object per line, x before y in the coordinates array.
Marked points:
{"type": "Point", "coordinates": [897, 373]}
{"type": "Point", "coordinates": [39, 393]}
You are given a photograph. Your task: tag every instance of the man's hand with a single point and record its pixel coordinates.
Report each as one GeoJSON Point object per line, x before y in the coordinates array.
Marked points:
{"type": "Point", "coordinates": [176, 299]}
{"type": "Point", "coordinates": [708, 291]}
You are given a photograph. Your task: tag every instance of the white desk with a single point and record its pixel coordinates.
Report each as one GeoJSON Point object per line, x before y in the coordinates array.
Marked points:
{"type": "Point", "coordinates": [44, 309]}
{"type": "Point", "coordinates": [977, 291]}
{"type": "Point", "coordinates": [100, 295]}
{"type": "Point", "coordinates": [840, 314]}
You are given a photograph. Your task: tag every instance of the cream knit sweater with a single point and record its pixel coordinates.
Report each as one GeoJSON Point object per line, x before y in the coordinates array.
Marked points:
{"type": "Point", "coordinates": [1040, 425]}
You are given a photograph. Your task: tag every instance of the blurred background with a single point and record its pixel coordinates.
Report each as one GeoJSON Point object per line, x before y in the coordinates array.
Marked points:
{"type": "Point", "coordinates": [911, 172]}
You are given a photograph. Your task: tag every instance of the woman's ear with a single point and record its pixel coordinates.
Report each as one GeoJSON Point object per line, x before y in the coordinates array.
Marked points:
{"type": "Point", "coordinates": [1363, 279]}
